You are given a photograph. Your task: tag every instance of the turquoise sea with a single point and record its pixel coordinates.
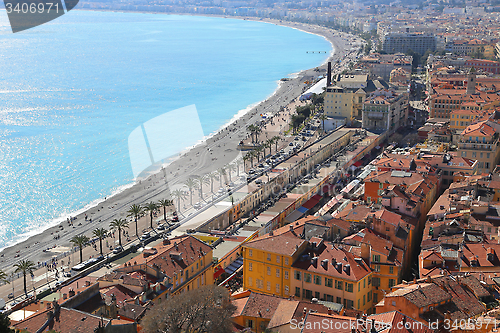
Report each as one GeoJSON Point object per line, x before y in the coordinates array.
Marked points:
{"type": "Point", "coordinates": [72, 90]}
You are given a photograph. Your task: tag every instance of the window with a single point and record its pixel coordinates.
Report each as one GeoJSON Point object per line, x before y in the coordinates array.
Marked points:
{"type": "Point", "coordinates": [278, 259]}
{"type": "Point", "coordinates": [486, 165]}
{"type": "Point", "coordinates": [375, 298]}
{"type": "Point", "coordinates": [376, 268]}
{"type": "Point", "coordinates": [349, 287]}
{"type": "Point", "coordinates": [487, 155]}
{"type": "Point", "coordinates": [286, 275]}
{"type": "Point", "coordinates": [376, 282]}
{"type": "Point", "coordinates": [364, 300]}
{"type": "Point", "coordinates": [259, 283]}
{"type": "Point", "coordinates": [364, 283]}
{"type": "Point", "coordinates": [298, 275]}
{"type": "Point", "coordinates": [250, 281]}
{"type": "Point", "coordinates": [250, 253]}
{"type": "Point", "coordinates": [391, 270]}
{"type": "Point", "coordinates": [297, 291]}
{"type": "Point", "coordinates": [268, 286]}
{"type": "Point", "coordinates": [376, 258]}
{"type": "Point", "coordinates": [250, 323]}
{"type": "Point", "coordinates": [269, 271]}
{"type": "Point", "coordinates": [359, 287]}
{"type": "Point", "coordinates": [473, 154]}
{"type": "Point", "coordinates": [307, 293]}
{"type": "Point", "coordinates": [338, 285]}
{"type": "Point", "coordinates": [317, 280]}
{"type": "Point", "coordinates": [329, 282]}
{"type": "Point", "coordinates": [287, 290]}
{"type": "Point", "coordinates": [250, 266]}
{"type": "Point", "coordinates": [286, 261]}
{"type": "Point", "coordinates": [392, 283]}
{"type": "Point", "coordinates": [358, 304]}
{"type": "Point", "coordinates": [269, 257]}
{"type": "Point", "coordinates": [339, 300]}
{"type": "Point", "coordinates": [277, 272]}
{"type": "Point", "coordinates": [328, 298]}
{"type": "Point", "coordinates": [348, 303]}
{"type": "Point", "coordinates": [277, 288]}
{"type": "Point", "coordinates": [369, 297]}
{"type": "Point", "coordinates": [307, 277]}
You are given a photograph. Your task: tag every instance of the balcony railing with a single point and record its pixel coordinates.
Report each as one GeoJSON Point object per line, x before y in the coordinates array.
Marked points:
{"type": "Point", "coordinates": [477, 146]}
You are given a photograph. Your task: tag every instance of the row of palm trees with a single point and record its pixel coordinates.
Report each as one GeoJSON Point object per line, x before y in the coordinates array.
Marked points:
{"type": "Point", "coordinates": [80, 241]}
{"type": "Point", "coordinates": [260, 151]}
{"type": "Point", "coordinates": [197, 182]}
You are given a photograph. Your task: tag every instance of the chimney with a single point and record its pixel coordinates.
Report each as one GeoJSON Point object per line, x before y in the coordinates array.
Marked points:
{"type": "Point", "coordinates": [166, 241]}
{"type": "Point", "coordinates": [87, 283]}
{"type": "Point", "coordinates": [71, 292]}
{"type": "Point", "coordinates": [65, 296]}
{"type": "Point", "coordinates": [50, 314]}
{"type": "Point", "coordinates": [329, 75]}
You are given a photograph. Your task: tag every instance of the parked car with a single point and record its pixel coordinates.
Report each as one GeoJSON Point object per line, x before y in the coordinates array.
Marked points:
{"type": "Point", "coordinates": [117, 250]}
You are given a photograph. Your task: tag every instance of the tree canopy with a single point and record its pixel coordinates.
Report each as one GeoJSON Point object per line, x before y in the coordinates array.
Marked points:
{"type": "Point", "coordinates": [207, 309]}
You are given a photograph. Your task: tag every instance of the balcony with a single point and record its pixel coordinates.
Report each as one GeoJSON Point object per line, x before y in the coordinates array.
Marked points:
{"type": "Point", "coordinates": [477, 146]}
{"type": "Point", "coordinates": [374, 115]}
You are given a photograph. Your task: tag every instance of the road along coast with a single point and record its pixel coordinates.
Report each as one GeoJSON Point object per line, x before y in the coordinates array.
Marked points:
{"type": "Point", "coordinates": [218, 150]}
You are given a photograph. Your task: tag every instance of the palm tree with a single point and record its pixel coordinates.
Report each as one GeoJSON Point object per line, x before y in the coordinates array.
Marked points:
{"type": "Point", "coordinates": [151, 208]}
{"type": "Point", "coordinates": [238, 163]}
{"type": "Point", "coordinates": [211, 176]}
{"type": "Point", "coordinates": [253, 131]}
{"type": "Point", "coordinates": [247, 157]}
{"type": "Point", "coordinates": [191, 183]}
{"type": "Point", "coordinates": [222, 172]}
{"type": "Point", "coordinates": [80, 241]}
{"type": "Point", "coordinates": [100, 233]}
{"type": "Point", "coordinates": [25, 266]}
{"type": "Point", "coordinates": [257, 131]}
{"type": "Point", "coordinates": [276, 139]}
{"type": "Point", "coordinates": [135, 211]}
{"type": "Point", "coordinates": [119, 224]}
{"type": "Point", "coordinates": [3, 277]}
{"type": "Point", "coordinates": [258, 150]}
{"type": "Point", "coordinates": [268, 144]}
{"type": "Point", "coordinates": [230, 167]}
{"type": "Point", "coordinates": [178, 194]}
{"type": "Point", "coordinates": [323, 118]}
{"type": "Point", "coordinates": [165, 203]}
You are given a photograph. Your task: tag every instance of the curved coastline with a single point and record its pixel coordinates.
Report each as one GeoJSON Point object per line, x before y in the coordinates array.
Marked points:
{"type": "Point", "coordinates": [117, 204]}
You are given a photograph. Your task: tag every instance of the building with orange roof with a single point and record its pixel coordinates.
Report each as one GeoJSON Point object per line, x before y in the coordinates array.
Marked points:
{"type": "Point", "coordinates": [328, 272]}
{"type": "Point", "coordinates": [385, 260]}
{"type": "Point", "coordinates": [185, 261]}
{"type": "Point", "coordinates": [479, 142]}
{"type": "Point", "coordinates": [385, 110]}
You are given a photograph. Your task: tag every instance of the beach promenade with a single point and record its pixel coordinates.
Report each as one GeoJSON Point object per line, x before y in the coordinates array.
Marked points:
{"type": "Point", "coordinates": [216, 152]}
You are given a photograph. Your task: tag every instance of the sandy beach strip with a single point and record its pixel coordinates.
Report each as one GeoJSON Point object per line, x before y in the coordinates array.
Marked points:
{"type": "Point", "coordinates": [217, 151]}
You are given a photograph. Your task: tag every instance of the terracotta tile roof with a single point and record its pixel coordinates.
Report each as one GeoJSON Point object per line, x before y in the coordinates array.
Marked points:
{"type": "Point", "coordinates": [479, 252]}
{"type": "Point", "coordinates": [340, 324]}
{"type": "Point", "coordinates": [68, 321]}
{"type": "Point", "coordinates": [260, 305]}
{"type": "Point", "coordinates": [284, 313]}
{"type": "Point", "coordinates": [121, 293]}
{"type": "Point", "coordinates": [479, 129]}
{"type": "Point", "coordinates": [132, 311]}
{"type": "Point", "coordinates": [392, 177]}
{"type": "Point", "coordinates": [284, 244]}
{"type": "Point", "coordinates": [421, 294]}
{"type": "Point", "coordinates": [395, 318]}
{"type": "Point", "coordinates": [324, 263]}
{"type": "Point", "coordinates": [192, 250]}
{"type": "Point", "coordinates": [431, 255]}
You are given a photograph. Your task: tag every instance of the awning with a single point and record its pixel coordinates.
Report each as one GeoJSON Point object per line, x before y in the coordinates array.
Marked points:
{"type": "Point", "coordinates": [294, 216]}
{"type": "Point", "coordinates": [312, 202]}
{"type": "Point", "coordinates": [234, 266]}
{"type": "Point", "coordinates": [302, 209]}
{"type": "Point", "coordinates": [358, 164]}
{"type": "Point", "coordinates": [218, 271]}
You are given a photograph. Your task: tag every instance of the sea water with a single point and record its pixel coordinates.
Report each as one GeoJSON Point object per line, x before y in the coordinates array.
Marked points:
{"type": "Point", "coordinates": [72, 90]}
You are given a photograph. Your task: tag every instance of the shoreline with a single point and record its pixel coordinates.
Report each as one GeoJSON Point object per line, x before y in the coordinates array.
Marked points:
{"type": "Point", "coordinates": [118, 203]}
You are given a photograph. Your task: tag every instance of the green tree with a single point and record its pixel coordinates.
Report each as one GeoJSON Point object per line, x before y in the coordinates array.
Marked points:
{"type": "Point", "coordinates": [179, 195]}
{"type": "Point", "coordinates": [100, 233]}
{"type": "Point", "coordinates": [80, 241]}
{"type": "Point", "coordinates": [151, 208]}
{"type": "Point", "coordinates": [5, 324]}
{"type": "Point", "coordinates": [135, 211]}
{"type": "Point", "coordinates": [165, 203]}
{"type": "Point", "coordinates": [119, 225]}
{"type": "Point", "coordinates": [25, 267]}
